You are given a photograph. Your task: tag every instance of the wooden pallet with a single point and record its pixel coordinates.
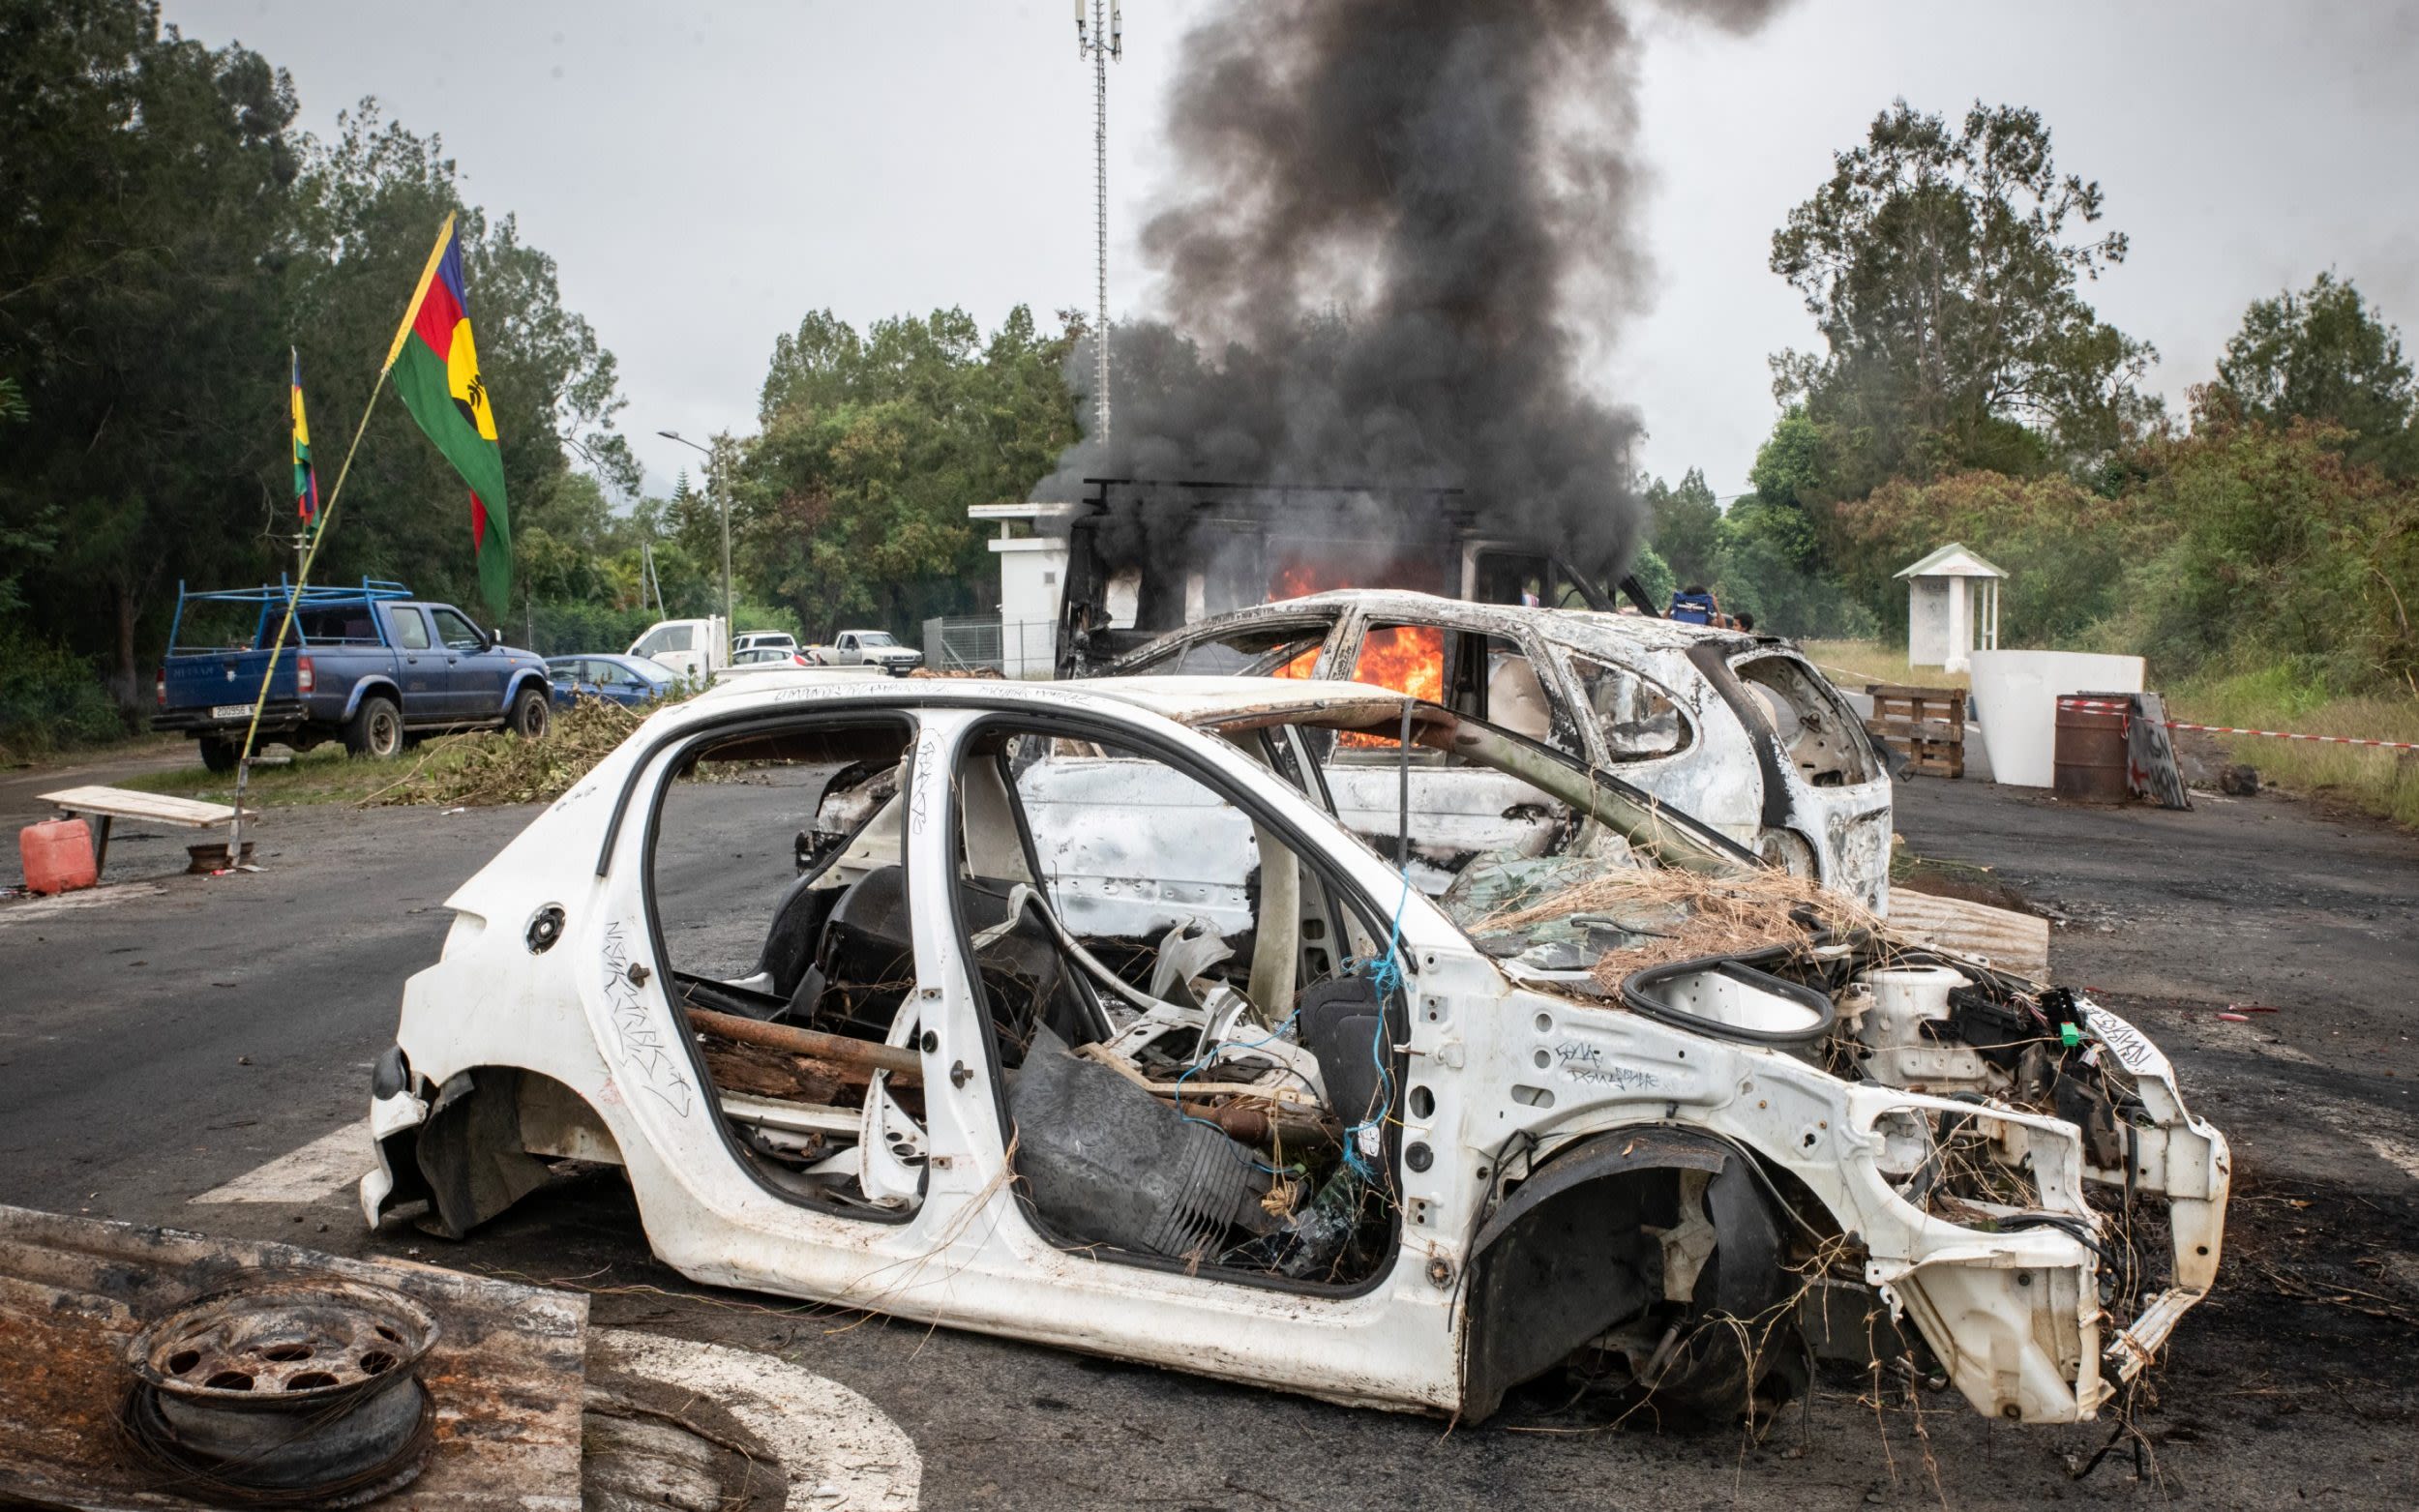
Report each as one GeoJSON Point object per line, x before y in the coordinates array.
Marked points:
{"type": "Point", "coordinates": [1926, 726]}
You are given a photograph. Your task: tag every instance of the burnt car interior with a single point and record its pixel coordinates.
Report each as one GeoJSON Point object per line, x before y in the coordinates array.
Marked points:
{"type": "Point", "coordinates": [791, 959]}
{"type": "Point", "coordinates": [1216, 1092]}
{"type": "Point", "coordinates": [1188, 1037]}
{"type": "Point", "coordinates": [1828, 750]}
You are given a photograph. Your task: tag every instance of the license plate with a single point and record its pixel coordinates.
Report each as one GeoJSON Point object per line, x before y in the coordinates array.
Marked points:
{"type": "Point", "coordinates": [231, 711]}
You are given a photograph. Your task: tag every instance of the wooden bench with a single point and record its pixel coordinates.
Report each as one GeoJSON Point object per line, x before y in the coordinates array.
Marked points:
{"type": "Point", "coordinates": [107, 804]}
{"type": "Point", "coordinates": [1926, 726]}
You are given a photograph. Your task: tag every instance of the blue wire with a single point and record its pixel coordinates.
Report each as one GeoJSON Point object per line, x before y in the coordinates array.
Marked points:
{"type": "Point", "coordinates": [1384, 979]}
{"type": "Point", "coordinates": [1207, 1057]}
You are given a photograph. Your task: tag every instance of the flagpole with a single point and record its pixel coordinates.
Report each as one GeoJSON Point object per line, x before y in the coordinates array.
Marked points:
{"type": "Point", "coordinates": [319, 534]}
{"type": "Point", "coordinates": [325, 518]}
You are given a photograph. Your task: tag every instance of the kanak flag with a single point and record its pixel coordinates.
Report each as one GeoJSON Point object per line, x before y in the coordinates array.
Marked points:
{"type": "Point", "coordinates": [305, 476]}
{"type": "Point", "coordinates": [436, 373]}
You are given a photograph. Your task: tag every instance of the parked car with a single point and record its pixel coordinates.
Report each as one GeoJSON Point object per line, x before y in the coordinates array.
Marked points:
{"type": "Point", "coordinates": [768, 656]}
{"type": "Point", "coordinates": [866, 648]}
{"type": "Point", "coordinates": [761, 639]}
{"type": "Point", "coordinates": [626, 680]}
{"type": "Point", "coordinates": [1191, 1076]}
{"type": "Point", "coordinates": [1739, 731]}
{"type": "Point", "coordinates": [690, 647]}
{"type": "Point", "coordinates": [368, 665]}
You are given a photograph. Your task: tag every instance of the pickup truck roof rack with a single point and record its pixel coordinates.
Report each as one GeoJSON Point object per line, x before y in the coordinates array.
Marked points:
{"type": "Point", "coordinates": [270, 597]}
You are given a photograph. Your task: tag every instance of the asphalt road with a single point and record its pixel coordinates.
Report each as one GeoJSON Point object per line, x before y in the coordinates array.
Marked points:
{"type": "Point", "coordinates": [167, 1035]}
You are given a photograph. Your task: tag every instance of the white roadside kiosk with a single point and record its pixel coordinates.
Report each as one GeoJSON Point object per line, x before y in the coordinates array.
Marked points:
{"type": "Point", "coordinates": [1031, 546]}
{"type": "Point", "coordinates": [1952, 609]}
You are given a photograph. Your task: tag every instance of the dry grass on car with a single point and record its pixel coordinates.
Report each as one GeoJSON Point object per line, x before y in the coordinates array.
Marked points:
{"type": "Point", "coordinates": [1707, 915]}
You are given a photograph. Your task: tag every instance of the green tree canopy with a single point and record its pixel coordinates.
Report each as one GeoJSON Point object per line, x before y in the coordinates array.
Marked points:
{"type": "Point", "coordinates": [2323, 355]}
{"type": "Point", "coordinates": [366, 207]}
{"type": "Point", "coordinates": [1686, 525]}
{"type": "Point", "coordinates": [144, 177]}
{"type": "Point", "coordinates": [852, 503]}
{"type": "Point", "coordinates": [1941, 264]}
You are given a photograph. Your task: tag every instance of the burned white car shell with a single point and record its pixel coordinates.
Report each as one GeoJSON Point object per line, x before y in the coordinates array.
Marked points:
{"type": "Point", "coordinates": [1766, 752]}
{"type": "Point", "coordinates": [547, 1029]}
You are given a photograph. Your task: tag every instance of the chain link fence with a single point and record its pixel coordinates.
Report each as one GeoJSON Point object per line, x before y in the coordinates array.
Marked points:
{"type": "Point", "coordinates": [983, 642]}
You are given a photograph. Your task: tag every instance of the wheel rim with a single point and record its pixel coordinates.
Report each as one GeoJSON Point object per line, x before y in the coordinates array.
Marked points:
{"type": "Point", "coordinates": [385, 733]}
{"type": "Point", "coordinates": [534, 725]}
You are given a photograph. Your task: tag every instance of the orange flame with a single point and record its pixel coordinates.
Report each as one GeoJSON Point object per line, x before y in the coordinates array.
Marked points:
{"type": "Point", "coordinates": [1406, 658]}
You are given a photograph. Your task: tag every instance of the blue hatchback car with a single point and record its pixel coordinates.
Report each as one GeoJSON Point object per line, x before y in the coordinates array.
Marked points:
{"type": "Point", "coordinates": [627, 680]}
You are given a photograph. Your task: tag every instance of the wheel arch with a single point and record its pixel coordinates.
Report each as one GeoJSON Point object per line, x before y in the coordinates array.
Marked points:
{"type": "Point", "coordinates": [1568, 1254]}
{"type": "Point", "coordinates": [375, 683]}
{"type": "Point", "coordinates": [522, 681]}
{"type": "Point", "coordinates": [484, 1143]}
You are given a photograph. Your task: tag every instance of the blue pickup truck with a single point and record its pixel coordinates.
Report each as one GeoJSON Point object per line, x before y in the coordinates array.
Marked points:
{"type": "Point", "coordinates": [368, 665]}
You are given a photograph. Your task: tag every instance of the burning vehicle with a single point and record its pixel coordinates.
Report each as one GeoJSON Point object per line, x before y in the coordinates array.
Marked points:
{"type": "Point", "coordinates": [1628, 1106]}
{"type": "Point", "coordinates": [1739, 731]}
{"type": "Point", "coordinates": [1145, 558]}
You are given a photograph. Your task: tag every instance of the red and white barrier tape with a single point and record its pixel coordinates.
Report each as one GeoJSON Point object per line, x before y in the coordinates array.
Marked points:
{"type": "Point", "coordinates": [2279, 735]}
{"type": "Point", "coordinates": [2100, 706]}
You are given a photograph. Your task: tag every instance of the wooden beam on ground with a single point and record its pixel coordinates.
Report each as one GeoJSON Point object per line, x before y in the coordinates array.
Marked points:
{"type": "Point", "coordinates": [2012, 942]}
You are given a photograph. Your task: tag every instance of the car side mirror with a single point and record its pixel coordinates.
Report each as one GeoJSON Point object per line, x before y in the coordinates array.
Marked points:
{"type": "Point", "coordinates": [496, 638]}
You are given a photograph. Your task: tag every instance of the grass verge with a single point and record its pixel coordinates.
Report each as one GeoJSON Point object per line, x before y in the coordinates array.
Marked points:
{"type": "Point", "coordinates": [2382, 783]}
{"type": "Point", "coordinates": [326, 775]}
{"type": "Point", "coordinates": [1852, 663]}
{"type": "Point", "coordinates": [471, 769]}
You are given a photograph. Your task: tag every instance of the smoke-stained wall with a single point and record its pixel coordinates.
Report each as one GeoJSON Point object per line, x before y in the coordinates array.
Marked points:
{"type": "Point", "coordinates": [1398, 236]}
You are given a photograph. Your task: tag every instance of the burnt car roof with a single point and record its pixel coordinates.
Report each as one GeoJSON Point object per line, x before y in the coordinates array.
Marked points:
{"type": "Point", "coordinates": [1572, 627]}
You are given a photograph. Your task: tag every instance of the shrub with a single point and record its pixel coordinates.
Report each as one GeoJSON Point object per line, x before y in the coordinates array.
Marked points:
{"type": "Point", "coordinates": [51, 699]}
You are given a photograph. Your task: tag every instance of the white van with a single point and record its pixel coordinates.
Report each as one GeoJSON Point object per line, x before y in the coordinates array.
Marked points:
{"type": "Point", "coordinates": [691, 647]}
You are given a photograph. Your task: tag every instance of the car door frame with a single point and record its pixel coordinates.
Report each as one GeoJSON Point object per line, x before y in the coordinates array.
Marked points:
{"type": "Point", "coordinates": [1399, 1320]}
{"type": "Point", "coordinates": [472, 669]}
{"type": "Point", "coordinates": [709, 1213]}
{"type": "Point", "coordinates": [421, 674]}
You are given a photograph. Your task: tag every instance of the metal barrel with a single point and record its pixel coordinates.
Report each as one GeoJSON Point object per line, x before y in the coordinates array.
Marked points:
{"type": "Point", "coordinates": [2091, 752]}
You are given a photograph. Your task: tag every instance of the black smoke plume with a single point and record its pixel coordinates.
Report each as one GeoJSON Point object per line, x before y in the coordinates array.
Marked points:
{"type": "Point", "coordinates": [1401, 231]}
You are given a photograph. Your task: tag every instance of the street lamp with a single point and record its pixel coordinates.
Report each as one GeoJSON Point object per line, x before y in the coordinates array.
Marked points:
{"type": "Point", "coordinates": [722, 497]}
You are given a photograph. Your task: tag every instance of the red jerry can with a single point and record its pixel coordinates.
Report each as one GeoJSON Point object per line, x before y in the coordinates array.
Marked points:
{"type": "Point", "coordinates": [58, 855]}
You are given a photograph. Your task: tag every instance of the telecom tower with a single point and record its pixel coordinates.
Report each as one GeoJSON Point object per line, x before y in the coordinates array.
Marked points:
{"type": "Point", "coordinates": [1101, 37]}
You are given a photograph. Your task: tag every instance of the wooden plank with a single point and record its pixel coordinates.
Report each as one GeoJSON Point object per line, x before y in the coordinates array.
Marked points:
{"type": "Point", "coordinates": [2012, 942]}
{"type": "Point", "coordinates": [120, 803]}
{"type": "Point", "coordinates": [1918, 729]}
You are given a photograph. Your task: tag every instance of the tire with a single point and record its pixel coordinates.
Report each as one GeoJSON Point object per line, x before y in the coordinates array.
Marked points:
{"type": "Point", "coordinates": [531, 711]}
{"type": "Point", "coordinates": [375, 730]}
{"type": "Point", "coordinates": [218, 753]}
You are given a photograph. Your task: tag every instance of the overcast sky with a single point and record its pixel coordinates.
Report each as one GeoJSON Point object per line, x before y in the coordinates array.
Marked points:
{"type": "Point", "coordinates": [707, 173]}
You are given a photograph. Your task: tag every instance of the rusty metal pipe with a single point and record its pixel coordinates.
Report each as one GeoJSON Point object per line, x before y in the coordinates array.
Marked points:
{"type": "Point", "coordinates": [837, 1048]}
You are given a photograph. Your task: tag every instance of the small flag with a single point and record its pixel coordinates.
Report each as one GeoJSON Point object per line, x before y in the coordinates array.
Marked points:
{"type": "Point", "coordinates": [436, 373]}
{"type": "Point", "coordinates": [306, 477]}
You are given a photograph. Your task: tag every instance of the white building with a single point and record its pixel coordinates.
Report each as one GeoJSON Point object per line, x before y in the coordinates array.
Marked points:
{"type": "Point", "coordinates": [1032, 548]}
{"type": "Point", "coordinates": [1952, 609]}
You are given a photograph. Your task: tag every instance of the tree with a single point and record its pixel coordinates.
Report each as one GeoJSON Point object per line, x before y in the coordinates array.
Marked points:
{"type": "Point", "coordinates": [1940, 268]}
{"type": "Point", "coordinates": [852, 503]}
{"type": "Point", "coordinates": [146, 178]}
{"type": "Point", "coordinates": [1686, 523]}
{"type": "Point", "coordinates": [2324, 354]}
{"type": "Point", "coordinates": [368, 207]}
